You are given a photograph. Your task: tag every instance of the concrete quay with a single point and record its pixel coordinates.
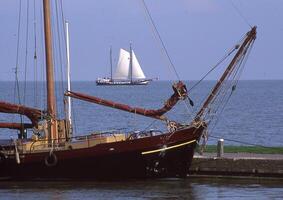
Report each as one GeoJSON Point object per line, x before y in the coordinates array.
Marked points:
{"type": "Point", "coordinates": [238, 164]}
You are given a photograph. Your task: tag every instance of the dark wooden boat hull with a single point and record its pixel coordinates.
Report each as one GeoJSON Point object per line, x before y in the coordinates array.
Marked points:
{"type": "Point", "coordinates": [167, 155]}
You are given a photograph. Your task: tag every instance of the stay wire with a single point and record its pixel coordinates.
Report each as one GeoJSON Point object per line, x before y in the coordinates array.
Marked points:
{"type": "Point", "coordinates": [213, 68]}
{"type": "Point", "coordinates": [43, 76]}
{"type": "Point", "coordinates": [17, 53]}
{"type": "Point", "coordinates": [17, 85]}
{"type": "Point", "coordinates": [240, 13]}
{"type": "Point", "coordinates": [63, 20]}
{"type": "Point", "coordinates": [160, 39]}
{"type": "Point", "coordinates": [248, 53]}
{"type": "Point", "coordinates": [35, 56]}
{"type": "Point", "coordinates": [238, 141]}
{"type": "Point", "coordinates": [222, 101]}
{"type": "Point", "coordinates": [54, 53]}
{"type": "Point", "coordinates": [235, 47]}
{"type": "Point", "coordinates": [26, 52]}
{"type": "Point", "coordinates": [219, 98]}
{"type": "Point", "coordinates": [236, 77]}
{"type": "Point", "coordinates": [227, 84]}
{"type": "Point", "coordinates": [215, 122]}
{"type": "Point", "coordinates": [73, 111]}
{"type": "Point", "coordinates": [60, 48]}
{"type": "Point", "coordinates": [148, 126]}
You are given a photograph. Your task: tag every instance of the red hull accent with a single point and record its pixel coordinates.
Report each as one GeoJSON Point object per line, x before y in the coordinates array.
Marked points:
{"type": "Point", "coordinates": [167, 155]}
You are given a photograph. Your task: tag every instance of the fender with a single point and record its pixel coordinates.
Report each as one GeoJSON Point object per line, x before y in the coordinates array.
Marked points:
{"type": "Point", "coordinates": [51, 160]}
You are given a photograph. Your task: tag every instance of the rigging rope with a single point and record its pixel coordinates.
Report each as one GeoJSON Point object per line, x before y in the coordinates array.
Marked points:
{"type": "Point", "coordinates": [238, 141]}
{"type": "Point", "coordinates": [158, 37]}
{"type": "Point", "coordinates": [233, 65]}
{"type": "Point", "coordinates": [17, 86]}
{"type": "Point", "coordinates": [63, 21]}
{"type": "Point", "coordinates": [148, 126]}
{"type": "Point", "coordinates": [240, 13]}
{"type": "Point", "coordinates": [43, 77]}
{"type": "Point", "coordinates": [54, 53]}
{"type": "Point", "coordinates": [235, 78]}
{"type": "Point", "coordinates": [35, 57]}
{"type": "Point", "coordinates": [57, 58]}
{"type": "Point", "coordinates": [17, 53]}
{"type": "Point", "coordinates": [214, 67]}
{"type": "Point", "coordinates": [223, 100]}
{"type": "Point", "coordinates": [26, 52]}
{"type": "Point", "coordinates": [165, 52]}
{"type": "Point", "coordinates": [59, 46]}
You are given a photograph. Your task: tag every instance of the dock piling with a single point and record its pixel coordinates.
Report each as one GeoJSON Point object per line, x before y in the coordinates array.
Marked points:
{"type": "Point", "coordinates": [220, 148]}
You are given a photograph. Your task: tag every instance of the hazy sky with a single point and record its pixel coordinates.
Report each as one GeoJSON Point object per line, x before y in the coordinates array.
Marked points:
{"type": "Point", "coordinates": [197, 33]}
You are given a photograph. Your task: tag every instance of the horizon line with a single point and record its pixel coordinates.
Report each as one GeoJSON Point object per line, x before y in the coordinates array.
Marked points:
{"type": "Point", "coordinates": [152, 81]}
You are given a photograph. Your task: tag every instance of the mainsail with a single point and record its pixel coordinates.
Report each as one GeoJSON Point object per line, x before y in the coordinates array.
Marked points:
{"type": "Point", "coordinates": [124, 70]}
{"type": "Point", "coordinates": [123, 66]}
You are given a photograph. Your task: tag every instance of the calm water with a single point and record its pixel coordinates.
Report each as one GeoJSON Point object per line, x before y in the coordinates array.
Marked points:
{"type": "Point", "coordinates": [154, 189]}
{"type": "Point", "coordinates": [254, 115]}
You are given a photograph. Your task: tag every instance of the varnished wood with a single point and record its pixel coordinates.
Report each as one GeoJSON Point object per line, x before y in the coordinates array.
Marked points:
{"type": "Point", "coordinates": [51, 100]}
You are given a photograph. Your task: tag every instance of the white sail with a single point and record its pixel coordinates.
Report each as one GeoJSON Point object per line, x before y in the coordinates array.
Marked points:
{"type": "Point", "coordinates": [123, 66]}
{"type": "Point", "coordinates": [123, 70]}
{"type": "Point", "coordinates": [137, 70]}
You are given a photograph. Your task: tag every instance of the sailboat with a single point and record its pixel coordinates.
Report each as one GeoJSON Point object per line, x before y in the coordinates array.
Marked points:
{"type": "Point", "coordinates": [128, 71]}
{"type": "Point", "coordinates": [53, 153]}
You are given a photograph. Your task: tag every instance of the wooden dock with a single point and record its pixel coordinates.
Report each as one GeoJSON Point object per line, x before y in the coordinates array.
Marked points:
{"type": "Point", "coordinates": [238, 164]}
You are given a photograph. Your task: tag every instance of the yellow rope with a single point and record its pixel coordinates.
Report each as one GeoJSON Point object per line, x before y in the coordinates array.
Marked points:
{"type": "Point", "coordinates": [167, 148]}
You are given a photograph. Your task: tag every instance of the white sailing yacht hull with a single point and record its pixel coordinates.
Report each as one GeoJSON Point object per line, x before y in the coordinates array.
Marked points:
{"type": "Point", "coordinates": [127, 82]}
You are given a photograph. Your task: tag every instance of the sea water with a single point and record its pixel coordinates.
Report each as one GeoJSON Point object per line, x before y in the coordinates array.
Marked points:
{"type": "Point", "coordinates": [190, 188]}
{"type": "Point", "coordinates": [253, 115]}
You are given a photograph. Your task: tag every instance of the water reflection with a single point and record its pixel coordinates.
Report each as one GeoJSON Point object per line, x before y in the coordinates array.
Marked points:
{"type": "Point", "coordinates": [193, 188]}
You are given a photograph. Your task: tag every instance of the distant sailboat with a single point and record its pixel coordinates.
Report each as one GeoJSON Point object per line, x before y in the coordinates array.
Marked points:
{"type": "Point", "coordinates": [128, 71]}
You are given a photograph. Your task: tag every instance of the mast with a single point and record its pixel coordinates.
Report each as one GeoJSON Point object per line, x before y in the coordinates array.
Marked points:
{"type": "Point", "coordinates": [111, 74]}
{"type": "Point", "coordinates": [51, 101]}
{"type": "Point", "coordinates": [131, 63]}
{"type": "Point", "coordinates": [69, 116]}
{"type": "Point", "coordinates": [250, 37]}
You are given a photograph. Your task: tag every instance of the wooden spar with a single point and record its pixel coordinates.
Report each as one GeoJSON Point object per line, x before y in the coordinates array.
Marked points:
{"type": "Point", "coordinates": [51, 101]}
{"type": "Point", "coordinates": [68, 72]}
{"type": "Point", "coordinates": [69, 110]}
{"type": "Point", "coordinates": [32, 113]}
{"type": "Point", "coordinates": [250, 36]}
{"type": "Point", "coordinates": [180, 92]}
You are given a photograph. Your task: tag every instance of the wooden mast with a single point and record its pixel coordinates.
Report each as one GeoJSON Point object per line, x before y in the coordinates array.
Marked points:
{"type": "Point", "coordinates": [51, 101]}
{"type": "Point", "coordinates": [251, 35]}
